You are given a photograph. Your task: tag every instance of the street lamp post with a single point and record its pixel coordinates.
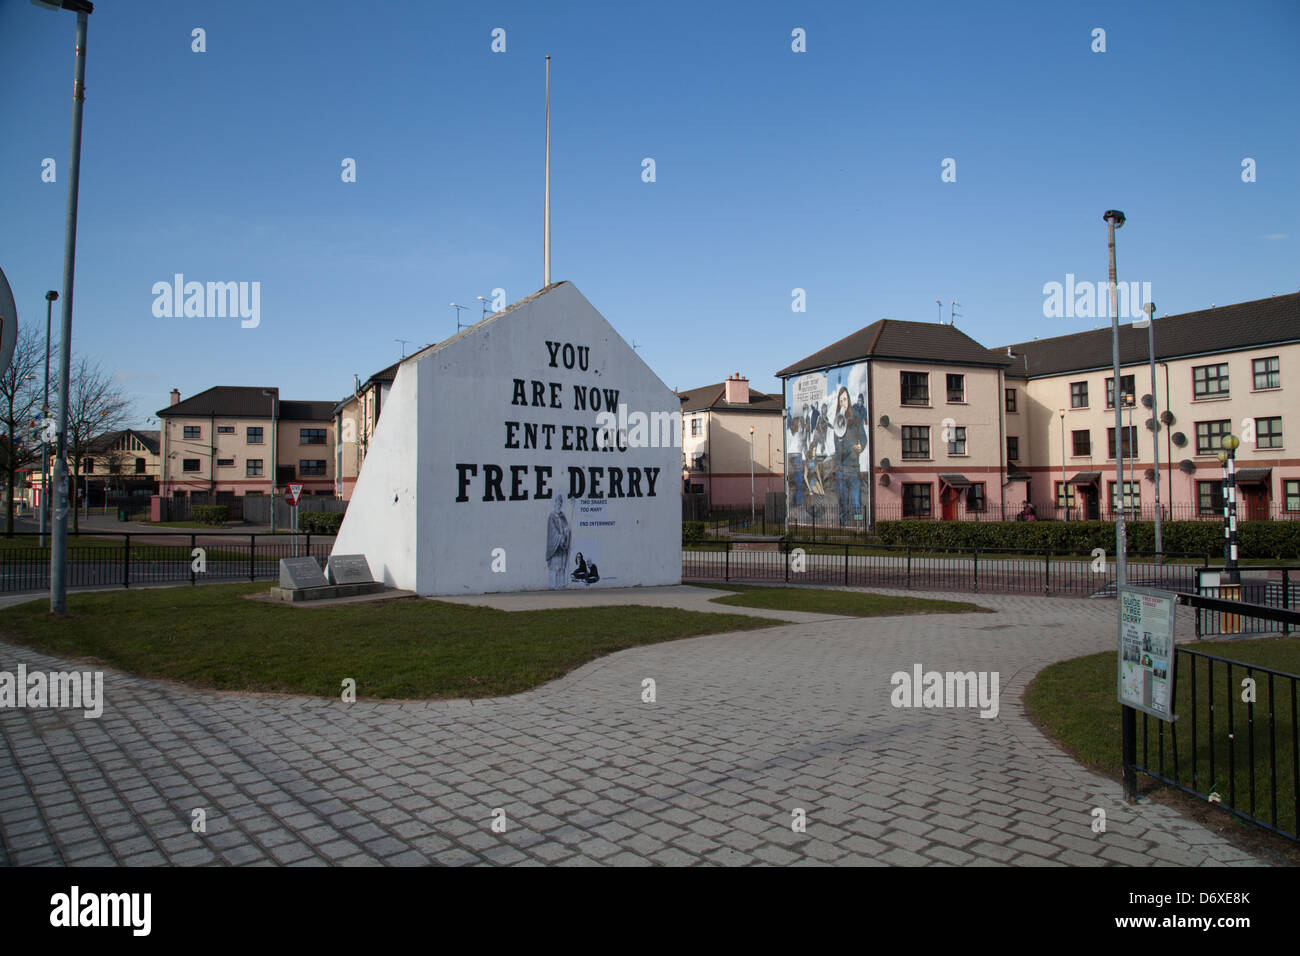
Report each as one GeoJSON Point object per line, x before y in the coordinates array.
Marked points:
{"type": "Point", "coordinates": [1065, 488]}
{"type": "Point", "coordinates": [59, 536]}
{"type": "Point", "coordinates": [1128, 716]}
{"type": "Point", "coordinates": [50, 298]}
{"type": "Point", "coordinates": [1150, 309]}
{"type": "Point", "coordinates": [751, 476]}
{"type": "Point", "coordinates": [274, 395]}
{"type": "Point", "coordinates": [1114, 220]}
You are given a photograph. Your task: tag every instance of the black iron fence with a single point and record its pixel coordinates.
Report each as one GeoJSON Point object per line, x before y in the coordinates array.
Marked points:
{"type": "Point", "coordinates": [154, 557]}
{"type": "Point", "coordinates": [1239, 747]}
{"type": "Point", "coordinates": [1079, 574]}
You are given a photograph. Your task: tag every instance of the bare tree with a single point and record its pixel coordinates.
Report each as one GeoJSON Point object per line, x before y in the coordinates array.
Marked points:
{"type": "Point", "coordinates": [20, 403]}
{"type": "Point", "coordinates": [97, 406]}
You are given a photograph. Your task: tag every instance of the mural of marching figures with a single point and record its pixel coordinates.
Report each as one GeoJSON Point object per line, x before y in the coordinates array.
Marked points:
{"type": "Point", "coordinates": [828, 448]}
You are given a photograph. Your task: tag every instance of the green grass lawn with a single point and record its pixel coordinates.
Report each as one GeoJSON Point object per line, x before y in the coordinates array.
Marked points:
{"type": "Point", "coordinates": [1074, 703]}
{"type": "Point", "coordinates": [403, 648]}
{"type": "Point", "coordinates": [828, 601]}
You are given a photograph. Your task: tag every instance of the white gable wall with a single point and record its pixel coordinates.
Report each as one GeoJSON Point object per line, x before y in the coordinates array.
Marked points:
{"type": "Point", "coordinates": [464, 395]}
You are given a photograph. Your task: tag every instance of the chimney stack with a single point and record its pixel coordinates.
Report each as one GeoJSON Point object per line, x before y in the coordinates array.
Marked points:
{"type": "Point", "coordinates": [737, 390]}
{"type": "Point", "coordinates": [176, 395]}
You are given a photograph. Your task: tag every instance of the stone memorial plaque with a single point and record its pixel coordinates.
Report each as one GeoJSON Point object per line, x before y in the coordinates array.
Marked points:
{"type": "Point", "coordinates": [296, 573]}
{"type": "Point", "coordinates": [349, 569]}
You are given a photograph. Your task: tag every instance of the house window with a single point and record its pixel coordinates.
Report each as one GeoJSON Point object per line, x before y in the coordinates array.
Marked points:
{"type": "Point", "coordinates": [956, 441]}
{"type": "Point", "coordinates": [311, 436]}
{"type": "Point", "coordinates": [1082, 443]}
{"type": "Point", "coordinates": [1013, 448]}
{"type": "Point", "coordinates": [1268, 433]}
{"type": "Point", "coordinates": [1209, 436]}
{"type": "Point", "coordinates": [311, 467]}
{"type": "Point", "coordinates": [1064, 495]}
{"type": "Point", "coordinates": [975, 497]}
{"type": "Point", "coordinates": [914, 388]}
{"type": "Point", "coordinates": [1210, 381]}
{"type": "Point", "coordinates": [1291, 495]}
{"type": "Point", "coordinates": [253, 435]}
{"type": "Point", "coordinates": [1130, 448]}
{"type": "Point", "coordinates": [1209, 497]}
{"type": "Point", "coordinates": [956, 388]}
{"type": "Point", "coordinates": [916, 441]}
{"type": "Point", "coordinates": [225, 463]}
{"type": "Point", "coordinates": [1078, 394]}
{"type": "Point", "coordinates": [916, 501]}
{"type": "Point", "coordinates": [1011, 399]}
{"type": "Point", "coordinates": [191, 432]}
{"type": "Point", "coordinates": [88, 466]}
{"type": "Point", "coordinates": [1126, 387]}
{"type": "Point", "coordinates": [114, 466]}
{"type": "Point", "coordinates": [253, 467]}
{"type": "Point", "coordinates": [695, 427]}
{"type": "Point", "coordinates": [225, 429]}
{"type": "Point", "coordinates": [1132, 495]}
{"type": "Point", "coordinates": [139, 466]}
{"type": "Point", "coordinates": [189, 464]}
{"type": "Point", "coordinates": [1267, 373]}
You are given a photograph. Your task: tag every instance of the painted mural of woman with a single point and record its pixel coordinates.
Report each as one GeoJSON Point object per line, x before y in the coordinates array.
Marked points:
{"type": "Point", "coordinates": [850, 439]}
{"type": "Point", "coordinates": [557, 542]}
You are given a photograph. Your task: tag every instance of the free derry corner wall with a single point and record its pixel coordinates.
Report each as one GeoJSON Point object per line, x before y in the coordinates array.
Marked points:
{"type": "Point", "coordinates": [520, 455]}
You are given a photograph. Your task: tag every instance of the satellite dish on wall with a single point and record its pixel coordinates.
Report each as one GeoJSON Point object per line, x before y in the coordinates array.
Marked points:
{"type": "Point", "coordinates": [1179, 439]}
{"type": "Point", "coordinates": [884, 463]}
{"type": "Point", "coordinates": [1149, 474]}
{"type": "Point", "coordinates": [1146, 401]}
{"type": "Point", "coordinates": [1151, 424]}
{"type": "Point", "coordinates": [884, 421]}
{"type": "Point", "coordinates": [1187, 466]}
{"type": "Point", "coordinates": [884, 481]}
{"type": "Point", "coordinates": [1167, 417]}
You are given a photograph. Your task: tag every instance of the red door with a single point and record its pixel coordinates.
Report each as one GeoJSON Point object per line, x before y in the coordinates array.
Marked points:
{"type": "Point", "coordinates": [948, 503]}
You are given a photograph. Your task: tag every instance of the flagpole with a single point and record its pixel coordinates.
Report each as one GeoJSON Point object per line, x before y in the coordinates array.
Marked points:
{"type": "Point", "coordinates": [546, 230]}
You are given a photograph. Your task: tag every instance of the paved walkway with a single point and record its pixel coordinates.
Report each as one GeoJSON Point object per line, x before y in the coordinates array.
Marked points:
{"type": "Point", "coordinates": [746, 729]}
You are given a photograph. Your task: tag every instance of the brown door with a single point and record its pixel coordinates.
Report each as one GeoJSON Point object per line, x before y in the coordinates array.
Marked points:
{"type": "Point", "coordinates": [1255, 504]}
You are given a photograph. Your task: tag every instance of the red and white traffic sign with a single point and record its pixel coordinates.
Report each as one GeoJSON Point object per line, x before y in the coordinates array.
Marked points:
{"type": "Point", "coordinates": [292, 493]}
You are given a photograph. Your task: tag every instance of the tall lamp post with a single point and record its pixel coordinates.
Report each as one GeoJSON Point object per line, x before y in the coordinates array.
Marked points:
{"type": "Point", "coordinates": [1065, 488]}
{"type": "Point", "coordinates": [1129, 403]}
{"type": "Point", "coordinates": [1128, 716]}
{"type": "Point", "coordinates": [50, 298]}
{"type": "Point", "coordinates": [274, 395]}
{"type": "Point", "coordinates": [751, 476]}
{"type": "Point", "coordinates": [59, 537]}
{"type": "Point", "coordinates": [1150, 309]}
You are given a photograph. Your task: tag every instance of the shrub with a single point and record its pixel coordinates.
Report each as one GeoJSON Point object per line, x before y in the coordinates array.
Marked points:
{"type": "Point", "coordinates": [320, 522]}
{"type": "Point", "coordinates": [692, 531]}
{"type": "Point", "coordinates": [1256, 539]}
{"type": "Point", "coordinates": [210, 514]}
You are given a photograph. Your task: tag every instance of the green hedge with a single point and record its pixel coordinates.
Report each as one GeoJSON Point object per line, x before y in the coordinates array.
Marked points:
{"type": "Point", "coordinates": [1256, 539]}
{"type": "Point", "coordinates": [320, 522]}
{"type": "Point", "coordinates": [692, 531]}
{"type": "Point", "coordinates": [210, 514]}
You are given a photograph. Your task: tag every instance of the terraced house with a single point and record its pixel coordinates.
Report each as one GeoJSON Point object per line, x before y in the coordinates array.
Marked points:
{"type": "Point", "coordinates": [231, 441]}
{"type": "Point", "coordinates": [1231, 369]}
{"type": "Point", "coordinates": [919, 420]}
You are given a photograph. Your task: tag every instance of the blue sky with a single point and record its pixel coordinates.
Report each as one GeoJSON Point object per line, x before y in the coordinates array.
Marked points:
{"type": "Point", "coordinates": [775, 170]}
